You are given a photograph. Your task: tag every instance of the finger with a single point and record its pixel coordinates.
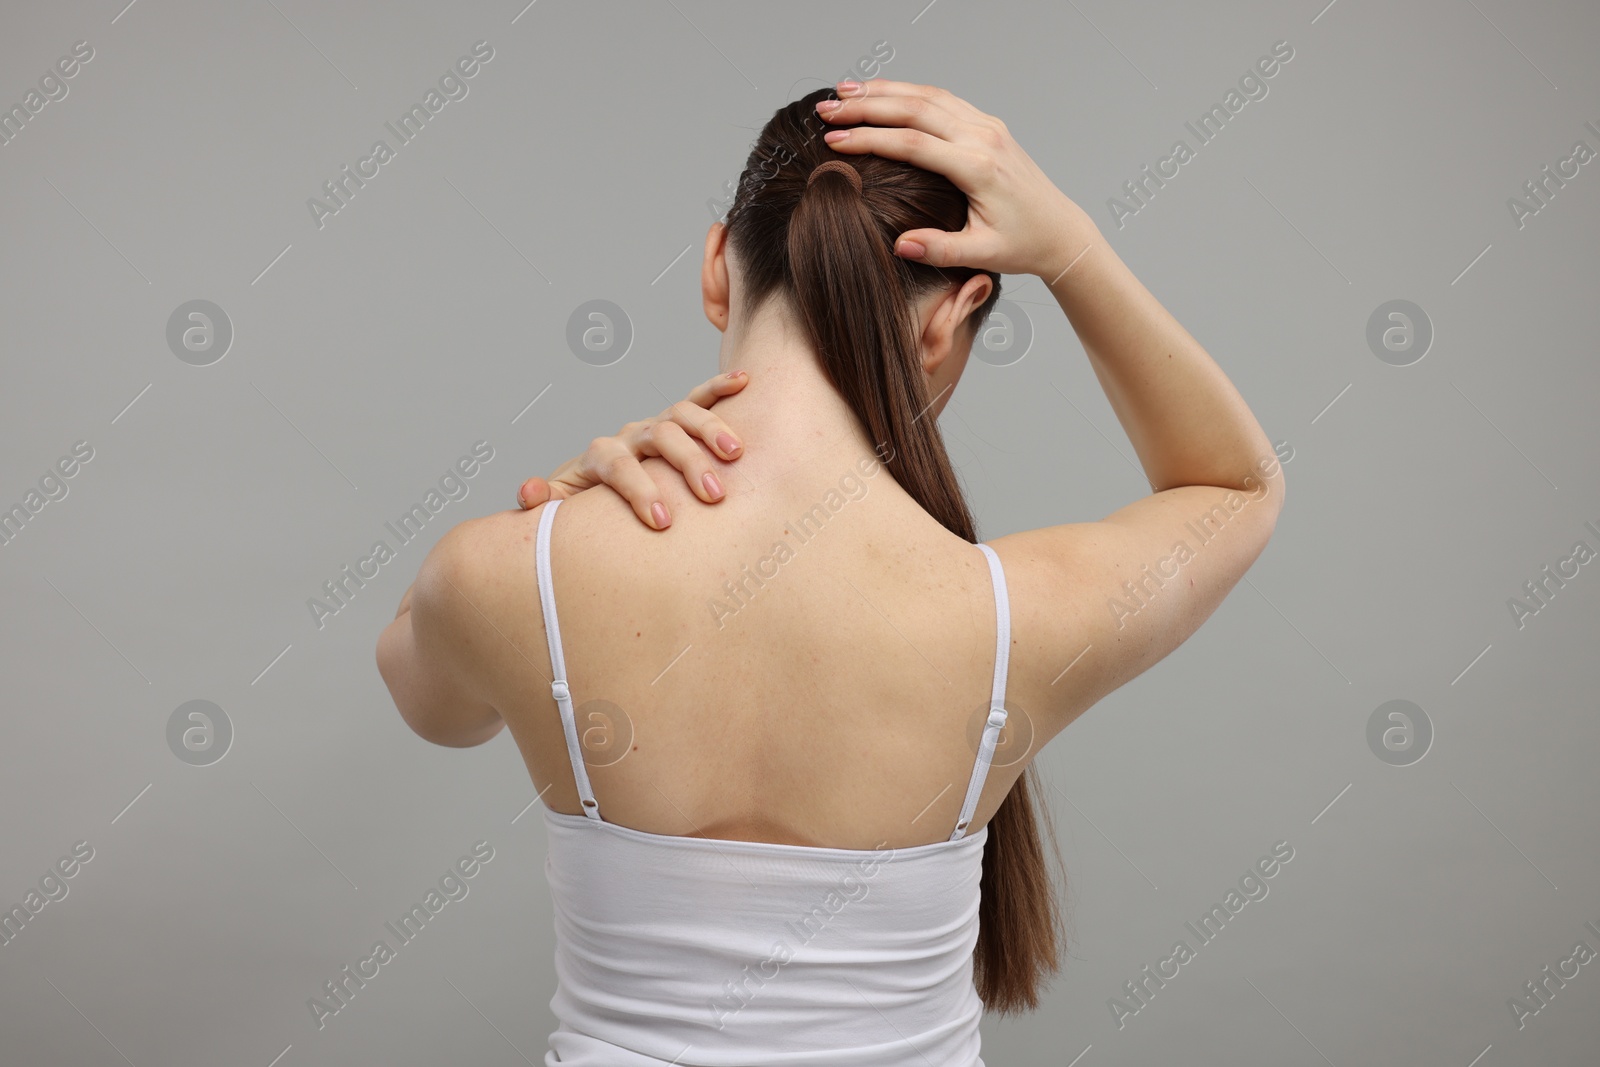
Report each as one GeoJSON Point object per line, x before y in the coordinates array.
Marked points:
{"type": "Point", "coordinates": [942, 248]}
{"type": "Point", "coordinates": [714, 389]}
{"type": "Point", "coordinates": [962, 165]}
{"type": "Point", "coordinates": [532, 493]}
{"type": "Point", "coordinates": [887, 87]}
{"type": "Point", "coordinates": [707, 427]}
{"type": "Point", "coordinates": [672, 443]}
{"type": "Point", "coordinates": [610, 461]}
{"type": "Point", "coordinates": [570, 479]}
{"type": "Point", "coordinates": [915, 112]}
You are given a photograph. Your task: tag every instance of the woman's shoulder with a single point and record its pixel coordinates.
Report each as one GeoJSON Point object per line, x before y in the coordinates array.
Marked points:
{"type": "Point", "coordinates": [490, 561]}
{"type": "Point", "coordinates": [490, 542]}
{"type": "Point", "coordinates": [477, 547]}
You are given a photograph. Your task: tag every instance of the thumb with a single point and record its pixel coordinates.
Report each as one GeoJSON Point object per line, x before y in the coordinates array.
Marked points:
{"type": "Point", "coordinates": [533, 492]}
{"type": "Point", "coordinates": [937, 248]}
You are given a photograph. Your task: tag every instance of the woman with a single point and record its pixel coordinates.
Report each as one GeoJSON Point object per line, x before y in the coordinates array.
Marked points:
{"type": "Point", "coordinates": [780, 745]}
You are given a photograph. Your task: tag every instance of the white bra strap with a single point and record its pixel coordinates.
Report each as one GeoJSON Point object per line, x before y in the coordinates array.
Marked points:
{"type": "Point", "coordinates": [558, 662]}
{"type": "Point", "coordinates": [997, 696]}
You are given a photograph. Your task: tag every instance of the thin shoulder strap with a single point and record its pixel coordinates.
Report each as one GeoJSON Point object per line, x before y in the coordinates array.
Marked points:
{"type": "Point", "coordinates": [997, 696]}
{"type": "Point", "coordinates": [558, 662]}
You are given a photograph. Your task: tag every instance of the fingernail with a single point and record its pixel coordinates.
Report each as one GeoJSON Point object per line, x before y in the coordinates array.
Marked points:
{"type": "Point", "coordinates": [735, 373]}
{"type": "Point", "coordinates": [659, 511]}
{"type": "Point", "coordinates": [713, 486]}
{"type": "Point", "coordinates": [835, 136]}
{"type": "Point", "coordinates": [826, 106]}
{"type": "Point", "coordinates": [848, 87]}
{"type": "Point", "coordinates": [727, 442]}
{"type": "Point", "coordinates": [910, 250]}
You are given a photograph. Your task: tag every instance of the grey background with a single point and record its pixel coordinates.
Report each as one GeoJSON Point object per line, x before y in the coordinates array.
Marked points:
{"type": "Point", "coordinates": [369, 354]}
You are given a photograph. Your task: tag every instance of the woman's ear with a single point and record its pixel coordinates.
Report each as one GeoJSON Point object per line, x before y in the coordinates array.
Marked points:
{"type": "Point", "coordinates": [947, 324]}
{"type": "Point", "coordinates": [714, 290]}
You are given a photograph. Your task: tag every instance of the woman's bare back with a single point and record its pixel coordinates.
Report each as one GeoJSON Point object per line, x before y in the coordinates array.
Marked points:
{"type": "Point", "coordinates": [808, 662]}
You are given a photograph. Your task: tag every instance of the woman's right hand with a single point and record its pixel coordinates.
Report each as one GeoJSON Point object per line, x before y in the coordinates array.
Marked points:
{"type": "Point", "coordinates": [1018, 222]}
{"type": "Point", "coordinates": [671, 435]}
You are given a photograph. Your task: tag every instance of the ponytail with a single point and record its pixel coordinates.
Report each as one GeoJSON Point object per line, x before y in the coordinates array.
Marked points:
{"type": "Point", "coordinates": [826, 239]}
{"type": "Point", "coordinates": [852, 297]}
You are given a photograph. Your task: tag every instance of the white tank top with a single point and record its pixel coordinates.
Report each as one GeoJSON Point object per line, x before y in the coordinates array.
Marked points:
{"type": "Point", "coordinates": [703, 952]}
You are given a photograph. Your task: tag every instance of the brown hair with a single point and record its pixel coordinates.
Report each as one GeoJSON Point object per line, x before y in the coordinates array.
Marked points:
{"type": "Point", "coordinates": [828, 249]}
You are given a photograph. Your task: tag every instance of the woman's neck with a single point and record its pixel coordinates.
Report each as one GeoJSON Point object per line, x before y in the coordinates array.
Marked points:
{"type": "Point", "coordinates": [789, 415]}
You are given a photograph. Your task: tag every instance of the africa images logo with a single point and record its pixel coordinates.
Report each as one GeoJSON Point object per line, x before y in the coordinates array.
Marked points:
{"type": "Point", "coordinates": [453, 485]}
{"type": "Point", "coordinates": [452, 86]}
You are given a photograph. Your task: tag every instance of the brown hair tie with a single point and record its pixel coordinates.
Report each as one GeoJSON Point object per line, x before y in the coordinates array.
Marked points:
{"type": "Point", "coordinates": [839, 165]}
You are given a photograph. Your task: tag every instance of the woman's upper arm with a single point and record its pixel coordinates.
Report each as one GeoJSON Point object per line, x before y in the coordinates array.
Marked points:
{"type": "Point", "coordinates": [438, 658]}
{"type": "Point", "coordinates": [1096, 604]}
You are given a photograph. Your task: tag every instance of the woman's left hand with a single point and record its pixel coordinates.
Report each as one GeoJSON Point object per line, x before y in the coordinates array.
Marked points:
{"type": "Point", "coordinates": [670, 435]}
